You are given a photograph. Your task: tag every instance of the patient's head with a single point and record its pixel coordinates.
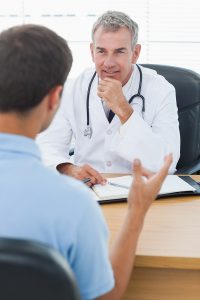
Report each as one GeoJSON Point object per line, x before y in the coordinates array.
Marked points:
{"type": "Point", "coordinates": [33, 61]}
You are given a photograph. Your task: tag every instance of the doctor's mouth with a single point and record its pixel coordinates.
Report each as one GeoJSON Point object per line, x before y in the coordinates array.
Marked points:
{"type": "Point", "coordinates": [112, 74]}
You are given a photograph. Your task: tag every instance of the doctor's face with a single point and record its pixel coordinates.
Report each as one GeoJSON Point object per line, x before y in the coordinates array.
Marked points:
{"type": "Point", "coordinates": [113, 55]}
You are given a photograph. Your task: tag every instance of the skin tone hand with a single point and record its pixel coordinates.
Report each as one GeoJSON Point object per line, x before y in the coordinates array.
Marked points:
{"type": "Point", "coordinates": [82, 172]}
{"type": "Point", "coordinates": [143, 192]}
{"type": "Point", "coordinates": [122, 252]}
{"type": "Point", "coordinates": [110, 91]}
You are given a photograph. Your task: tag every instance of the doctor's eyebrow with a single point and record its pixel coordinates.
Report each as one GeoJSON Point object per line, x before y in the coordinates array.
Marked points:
{"type": "Point", "coordinates": [100, 49]}
{"type": "Point", "coordinates": [118, 50]}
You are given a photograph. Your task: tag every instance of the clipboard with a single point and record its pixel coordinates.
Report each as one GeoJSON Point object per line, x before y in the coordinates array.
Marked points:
{"type": "Point", "coordinates": [188, 179]}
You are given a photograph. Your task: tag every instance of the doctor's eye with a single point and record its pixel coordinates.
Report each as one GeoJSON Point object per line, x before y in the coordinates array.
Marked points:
{"type": "Point", "coordinates": [120, 51]}
{"type": "Point", "coordinates": [100, 50]}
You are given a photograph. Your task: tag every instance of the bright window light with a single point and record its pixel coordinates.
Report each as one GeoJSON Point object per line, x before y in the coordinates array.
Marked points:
{"type": "Point", "coordinates": [169, 31]}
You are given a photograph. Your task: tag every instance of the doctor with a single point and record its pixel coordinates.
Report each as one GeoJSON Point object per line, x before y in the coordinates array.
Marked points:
{"type": "Point", "coordinates": [117, 112]}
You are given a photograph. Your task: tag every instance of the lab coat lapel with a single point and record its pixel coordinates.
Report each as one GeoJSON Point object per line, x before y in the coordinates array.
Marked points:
{"type": "Point", "coordinates": [100, 114]}
{"type": "Point", "coordinates": [96, 108]}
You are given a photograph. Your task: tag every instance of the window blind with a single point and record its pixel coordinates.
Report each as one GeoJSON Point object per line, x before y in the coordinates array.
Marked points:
{"type": "Point", "coordinates": [169, 31]}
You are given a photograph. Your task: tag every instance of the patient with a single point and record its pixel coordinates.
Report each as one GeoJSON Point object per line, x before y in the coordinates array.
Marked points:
{"type": "Point", "coordinates": [40, 204]}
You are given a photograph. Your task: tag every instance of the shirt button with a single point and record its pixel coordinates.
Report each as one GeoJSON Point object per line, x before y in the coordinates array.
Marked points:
{"type": "Point", "coordinates": [108, 164]}
{"type": "Point", "coordinates": [109, 132]}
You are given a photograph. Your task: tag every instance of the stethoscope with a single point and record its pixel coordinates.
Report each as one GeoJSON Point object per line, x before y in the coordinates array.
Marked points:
{"type": "Point", "coordinates": [88, 130]}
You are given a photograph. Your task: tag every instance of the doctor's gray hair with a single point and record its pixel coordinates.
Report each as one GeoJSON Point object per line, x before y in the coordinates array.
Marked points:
{"type": "Point", "coordinates": [113, 21]}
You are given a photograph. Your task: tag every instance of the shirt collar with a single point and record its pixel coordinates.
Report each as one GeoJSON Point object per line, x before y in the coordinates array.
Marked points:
{"type": "Point", "coordinates": [18, 143]}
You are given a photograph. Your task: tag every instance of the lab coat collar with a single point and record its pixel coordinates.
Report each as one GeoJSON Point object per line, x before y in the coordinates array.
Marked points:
{"type": "Point", "coordinates": [128, 87]}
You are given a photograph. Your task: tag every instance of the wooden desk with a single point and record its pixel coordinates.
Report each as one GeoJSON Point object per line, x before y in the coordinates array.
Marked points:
{"type": "Point", "coordinates": [167, 262]}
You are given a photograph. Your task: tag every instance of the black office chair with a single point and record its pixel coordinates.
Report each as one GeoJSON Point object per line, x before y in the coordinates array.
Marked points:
{"type": "Point", "coordinates": [187, 85]}
{"type": "Point", "coordinates": [32, 271]}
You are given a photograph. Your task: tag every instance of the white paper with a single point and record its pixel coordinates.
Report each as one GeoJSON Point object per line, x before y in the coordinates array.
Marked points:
{"type": "Point", "coordinates": [172, 184]}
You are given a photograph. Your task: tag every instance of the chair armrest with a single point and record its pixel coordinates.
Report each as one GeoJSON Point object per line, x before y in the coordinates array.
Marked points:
{"type": "Point", "coordinates": [190, 169]}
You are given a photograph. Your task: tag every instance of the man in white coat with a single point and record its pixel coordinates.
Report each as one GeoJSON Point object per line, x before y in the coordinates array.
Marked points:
{"type": "Point", "coordinates": [117, 112]}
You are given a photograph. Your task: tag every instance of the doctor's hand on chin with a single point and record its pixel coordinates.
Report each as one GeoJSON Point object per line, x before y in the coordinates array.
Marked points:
{"type": "Point", "coordinates": [84, 172]}
{"type": "Point", "coordinates": [110, 91]}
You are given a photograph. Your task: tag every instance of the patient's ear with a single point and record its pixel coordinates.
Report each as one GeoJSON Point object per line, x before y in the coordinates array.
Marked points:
{"type": "Point", "coordinates": [54, 98]}
{"type": "Point", "coordinates": [49, 107]}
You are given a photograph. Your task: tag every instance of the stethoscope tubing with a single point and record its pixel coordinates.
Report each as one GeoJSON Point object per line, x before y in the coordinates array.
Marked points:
{"type": "Point", "coordinates": [111, 114]}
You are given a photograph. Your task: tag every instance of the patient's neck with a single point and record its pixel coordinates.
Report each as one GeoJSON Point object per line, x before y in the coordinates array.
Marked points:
{"type": "Point", "coordinates": [20, 124]}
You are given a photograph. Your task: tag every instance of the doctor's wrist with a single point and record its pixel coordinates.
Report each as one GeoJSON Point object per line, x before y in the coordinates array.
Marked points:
{"type": "Point", "coordinates": [124, 112]}
{"type": "Point", "coordinates": [65, 168]}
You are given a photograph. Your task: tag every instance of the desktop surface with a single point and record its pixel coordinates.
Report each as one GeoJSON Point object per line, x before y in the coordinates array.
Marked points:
{"type": "Point", "coordinates": [168, 252]}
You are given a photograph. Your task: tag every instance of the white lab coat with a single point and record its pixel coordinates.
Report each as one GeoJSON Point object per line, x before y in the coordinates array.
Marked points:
{"type": "Point", "coordinates": [113, 147]}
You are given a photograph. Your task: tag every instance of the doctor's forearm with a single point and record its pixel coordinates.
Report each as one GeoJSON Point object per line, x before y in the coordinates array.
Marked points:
{"type": "Point", "coordinates": [71, 170]}
{"type": "Point", "coordinates": [124, 113]}
{"type": "Point", "coordinates": [65, 168]}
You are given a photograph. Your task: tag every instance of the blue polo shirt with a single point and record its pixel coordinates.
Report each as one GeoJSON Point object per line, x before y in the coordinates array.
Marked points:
{"type": "Point", "coordinates": [38, 203]}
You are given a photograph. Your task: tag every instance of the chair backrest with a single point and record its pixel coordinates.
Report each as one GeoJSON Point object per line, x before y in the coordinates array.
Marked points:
{"type": "Point", "coordinates": [187, 85]}
{"type": "Point", "coordinates": [30, 270]}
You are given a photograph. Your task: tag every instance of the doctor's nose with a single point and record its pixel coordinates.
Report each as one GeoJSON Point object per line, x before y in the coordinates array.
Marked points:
{"type": "Point", "coordinates": [109, 62]}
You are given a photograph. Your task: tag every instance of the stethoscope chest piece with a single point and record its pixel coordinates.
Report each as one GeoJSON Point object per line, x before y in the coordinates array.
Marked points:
{"type": "Point", "coordinates": [88, 132]}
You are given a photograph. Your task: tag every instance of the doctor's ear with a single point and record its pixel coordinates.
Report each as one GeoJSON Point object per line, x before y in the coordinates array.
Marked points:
{"type": "Point", "coordinates": [54, 97]}
{"type": "Point", "coordinates": [92, 51]}
{"type": "Point", "coordinates": [136, 53]}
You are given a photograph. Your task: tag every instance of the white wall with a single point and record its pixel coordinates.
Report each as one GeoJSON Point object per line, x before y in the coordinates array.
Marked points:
{"type": "Point", "coordinates": [169, 30]}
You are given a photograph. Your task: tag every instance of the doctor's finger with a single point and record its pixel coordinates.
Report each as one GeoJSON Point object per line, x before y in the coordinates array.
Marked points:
{"type": "Point", "coordinates": [104, 83]}
{"type": "Point", "coordinates": [102, 95]}
{"type": "Point", "coordinates": [92, 181]}
{"type": "Point", "coordinates": [100, 88]}
{"type": "Point", "coordinates": [95, 174]}
{"type": "Point", "coordinates": [110, 80]}
{"type": "Point", "coordinates": [107, 87]}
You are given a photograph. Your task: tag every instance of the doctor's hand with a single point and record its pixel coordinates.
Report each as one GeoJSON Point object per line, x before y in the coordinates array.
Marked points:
{"type": "Point", "coordinates": [110, 91]}
{"type": "Point", "coordinates": [82, 173]}
{"type": "Point", "coordinates": [143, 192]}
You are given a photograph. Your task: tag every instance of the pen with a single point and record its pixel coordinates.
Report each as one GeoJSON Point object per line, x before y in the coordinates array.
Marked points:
{"type": "Point", "coordinates": [85, 180]}
{"type": "Point", "coordinates": [118, 185]}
